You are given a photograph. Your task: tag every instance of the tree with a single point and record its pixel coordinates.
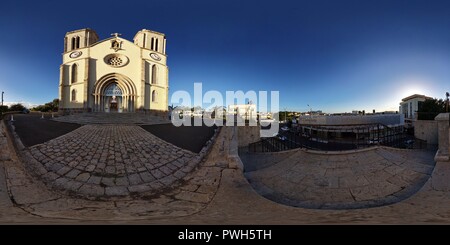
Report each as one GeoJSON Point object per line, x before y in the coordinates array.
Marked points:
{"type": "Point", "coordinates": [17, 107]}
{"type": "Point", "coordinates": [50, 106]}
{"type": "Point", "coordinates": [430, 108]}
{"type": "Point", "coordinates": [433, 105]}
{"type": "Point", "coordinates": [3, 108]}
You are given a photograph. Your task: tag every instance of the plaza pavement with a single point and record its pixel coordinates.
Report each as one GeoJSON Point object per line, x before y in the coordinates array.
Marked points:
{"type": "Point", "coordinates": [354, 179]}
{"type": "Point", "coordinates": [214, 192]}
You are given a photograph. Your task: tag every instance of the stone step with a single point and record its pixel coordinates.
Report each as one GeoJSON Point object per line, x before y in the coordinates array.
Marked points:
{"type": "Point", "coordinates": [112, 118]}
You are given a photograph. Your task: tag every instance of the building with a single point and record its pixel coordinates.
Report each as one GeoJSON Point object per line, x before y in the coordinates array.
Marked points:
{"type": "Point", "coordinates": [350, 119]}
{"type": "Point", "coordinates": [114, 74]}
{"type": "Point", "coordinates": [409, 106]}
{"type": "Point", "coordinates": [246, 111]}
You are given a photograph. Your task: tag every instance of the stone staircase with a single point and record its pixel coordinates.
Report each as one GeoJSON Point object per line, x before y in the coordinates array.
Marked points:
{"type": "Point", "coordinates": [112, 118]}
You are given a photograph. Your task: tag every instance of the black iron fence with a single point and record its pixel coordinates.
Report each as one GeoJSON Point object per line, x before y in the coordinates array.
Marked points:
{"type": "Point", "coordinates": [338, 138]}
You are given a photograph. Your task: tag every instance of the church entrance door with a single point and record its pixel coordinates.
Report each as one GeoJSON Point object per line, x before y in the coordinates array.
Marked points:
{"type": "Point", "coordinates": [113, 104]}
{"type": "Point", "coordinates": [113, 96]}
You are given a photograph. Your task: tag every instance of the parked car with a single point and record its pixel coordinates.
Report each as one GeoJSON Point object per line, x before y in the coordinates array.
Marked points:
{"type": "Point", "coordinates": [282, 138]}
{"type": "Point", "coordinates": [25, 111]}
{"type": "Point", "coordinates": [374, 141]}
{"type": "Point", "coordinates": [409, 144]}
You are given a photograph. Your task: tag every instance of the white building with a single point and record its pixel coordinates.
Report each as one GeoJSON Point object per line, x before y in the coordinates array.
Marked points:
{"type": "Point", "coordinates": [247, 111]}
{"type": "Point", "coordinates": [410, 105]}
{"type": "Point", "coordinates": [114, 74]}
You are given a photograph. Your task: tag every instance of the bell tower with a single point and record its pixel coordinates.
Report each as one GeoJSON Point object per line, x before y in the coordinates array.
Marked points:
{"type": "Point", "coordinates": [79, 39]}
{"type": "Point", "coordinates": [151, 40]}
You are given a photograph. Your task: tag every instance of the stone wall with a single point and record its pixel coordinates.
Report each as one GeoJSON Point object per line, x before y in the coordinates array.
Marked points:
{"type": "Point", "coordinates": [247, 135]}
{"type": "Point", "coordinates": [443, 137]}
{"type": "Point", "coordinates": [426, 130]}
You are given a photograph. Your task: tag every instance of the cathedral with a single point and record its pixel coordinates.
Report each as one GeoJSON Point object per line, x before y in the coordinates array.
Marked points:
{"type": "Point", "coordinates": [114, 74]}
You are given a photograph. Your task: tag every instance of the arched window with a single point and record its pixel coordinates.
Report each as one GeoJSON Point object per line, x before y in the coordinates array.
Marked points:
{"type": "Point", "coordinates": [74, 73]}
{"type": "Point", "coordinates": [154, 74]}
{"type": "Point", "coordinates": [78, 42]}
{"type": "Point", "coordinates": [74, 95]}
{"type": "Point", "coordinates": [154, 95]}
{"type": "Point", "coordinates": [73, 43]}
{"type": "Point", "coordinates": [156, 45]}
{"type": "Point", "coordinates": [152, 43]}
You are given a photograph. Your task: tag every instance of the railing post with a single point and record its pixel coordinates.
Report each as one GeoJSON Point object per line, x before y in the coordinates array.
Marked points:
{"type": "Point", "coordinates": [443, 137]}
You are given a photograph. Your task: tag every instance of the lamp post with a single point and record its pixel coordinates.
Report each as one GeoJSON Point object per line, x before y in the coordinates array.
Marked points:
{"type": "Point", "coordinates": [310, 110]}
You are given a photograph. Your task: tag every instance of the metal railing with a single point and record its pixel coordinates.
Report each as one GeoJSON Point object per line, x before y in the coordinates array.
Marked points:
{"type": "Point", "coordinates": [338, 138]}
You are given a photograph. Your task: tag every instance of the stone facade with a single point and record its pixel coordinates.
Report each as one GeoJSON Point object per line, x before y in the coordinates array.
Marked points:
{"type": "Point", "coordinates": [114, 74]}
{"type": "Point", "coordinates": [426, 130]}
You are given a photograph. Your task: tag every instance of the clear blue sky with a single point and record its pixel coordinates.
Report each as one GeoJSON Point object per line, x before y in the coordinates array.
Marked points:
{"type": "Point", "coordinates": [333, 55]}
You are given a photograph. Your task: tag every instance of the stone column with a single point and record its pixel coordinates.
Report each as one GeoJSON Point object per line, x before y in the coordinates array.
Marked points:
{"type": "Point", "coordinates": [443, 137]}
{"type": "Point", "coordinates": [95, 103]}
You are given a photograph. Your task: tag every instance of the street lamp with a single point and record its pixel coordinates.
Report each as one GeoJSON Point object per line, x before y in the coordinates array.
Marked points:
{"type": "Point", "coordinates": [310, 110]}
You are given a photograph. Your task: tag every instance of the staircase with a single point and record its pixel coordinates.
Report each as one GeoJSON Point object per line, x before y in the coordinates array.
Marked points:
{"type": "Point", "coordinates": [112, 118]}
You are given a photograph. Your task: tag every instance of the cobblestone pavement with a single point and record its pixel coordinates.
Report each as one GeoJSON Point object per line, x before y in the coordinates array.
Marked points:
{"type": "Point", "coordinates": [213, 193]}
{"type": "Point", "coordinates": [110, 160]}
{"type": "Point", "coordinates": [25, 195]}
{"type": "Point", "coordinates": [360, 179]}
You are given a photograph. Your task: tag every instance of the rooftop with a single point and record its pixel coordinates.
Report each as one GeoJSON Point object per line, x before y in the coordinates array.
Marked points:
{"type": "Point", "coordinates": [414, 96]}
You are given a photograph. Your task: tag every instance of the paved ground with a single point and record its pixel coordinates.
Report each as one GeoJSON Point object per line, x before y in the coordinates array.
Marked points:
{"type": "Point", "coordinates": [190, 138]}
{"type": "Point", "coordinates": [33, 130]}
{"type": "Point", "coordinates": [110, 160]}
{"type": "Point", "coordinates": [214, 193]}
{"type": "Point", "coordinates": [361, 179]}
{"type": "Point", "coordinates": [24, 197]}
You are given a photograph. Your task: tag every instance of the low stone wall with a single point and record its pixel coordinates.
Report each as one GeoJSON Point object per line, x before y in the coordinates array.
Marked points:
{"type": "Point", "coordinates": [426, 130]}
{"type": "Point", "coordinates": [247, 135]}
{"type": "Point", "coordinates": [443, 137]}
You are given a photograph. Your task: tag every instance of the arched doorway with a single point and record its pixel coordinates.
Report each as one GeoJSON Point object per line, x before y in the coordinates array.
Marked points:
{"type": "Point", "coordinates": [114, 93]}
{"type": "Point", "coordinates": [113, 98]}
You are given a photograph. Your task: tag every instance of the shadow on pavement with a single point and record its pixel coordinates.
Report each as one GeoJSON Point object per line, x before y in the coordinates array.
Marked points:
{"type": "Point", "coordinates": [33, 130]}
{"type": "Point", "coordinates": [191, 138]}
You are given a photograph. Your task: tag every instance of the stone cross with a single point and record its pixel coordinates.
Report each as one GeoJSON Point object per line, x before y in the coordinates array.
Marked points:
{"type": "Point", "coordinates": [116, 34]}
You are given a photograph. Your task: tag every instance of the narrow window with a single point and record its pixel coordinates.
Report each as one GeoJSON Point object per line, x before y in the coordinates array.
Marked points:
{"type": "Point", "coordinates": [78, 42]}
{"type": "Point", "coordinates": [154, 74]}
{"type": "Point", "coordinates": [152, 43]}
{"type": "Point", "coordinates": [74, 73]}
{"type": "Point", "coordinates": [73, 43]}
{"type": "Point", "coordinates": [74, 95]}
{"type": "Point", "coordinates": [154, 95]}
{"type": "Point", "coordinates": [156, 45]}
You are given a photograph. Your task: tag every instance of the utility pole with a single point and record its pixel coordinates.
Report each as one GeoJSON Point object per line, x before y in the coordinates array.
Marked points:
{"type": "Point", "coordinates": [4, 92]}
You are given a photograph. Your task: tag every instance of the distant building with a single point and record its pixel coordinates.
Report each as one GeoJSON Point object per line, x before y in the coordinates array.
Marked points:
{"type": "Point", "coordinates": [247, 111]}
{"type": "Point", "coordinates": [351, 119]}
{"type": "Point", "coordinates": [409, 106]}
